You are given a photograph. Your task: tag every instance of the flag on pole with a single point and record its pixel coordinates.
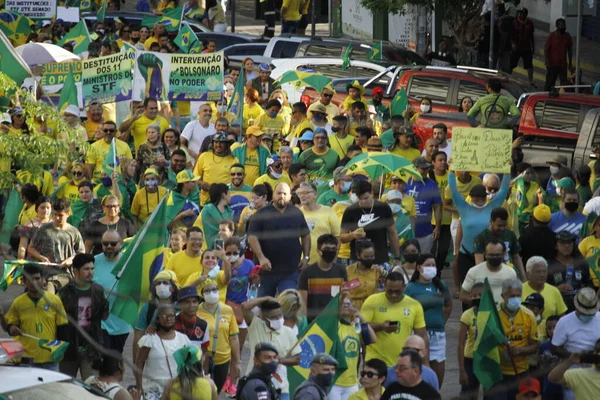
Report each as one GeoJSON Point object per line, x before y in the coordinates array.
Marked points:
{"type": "Point", "coordinates": [486, 356]}
{"type": "Point", "coordinates": [11, 64]}
{"type": "Point", "coordinates": [139, 264]}
{"type": "Point", "coordinates": [399, 103]}
{"type": "Point", "coordinates": [13, 269]}
{"type": "Point", "coordinates": [346, 57]}
{"type": "Point", "coordinates": [111, 161]}
{"type": "Point", "coordinates": [186, 39]}
{"type": "Point", "coordinates": [68, 93]}
{"type": "Point", "coordinates": [171, 19]}
{"type": "Point", "coordinates": [196, 47]}
{"type": "Point", "coordinates": [16, 26]}
{"type": "Point", "coordinates": [101, 14]}
{"type": "Point", "coordinates": [78, 37]}
{"type": "Point", "coordinates": [13, 208]}
{"type": "Point", "coordinates": [236, 105]}
{"type": "Point", "coordinates": [375, 52]}
{"type": "Point", "coordinates": [321, 336]}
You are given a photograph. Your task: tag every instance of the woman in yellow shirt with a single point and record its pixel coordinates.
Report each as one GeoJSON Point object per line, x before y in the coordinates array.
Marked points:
{"type": "Point", "coordinates": [369, 275]}
{"type": "Point", "coordinates": [68, 184]}
{"type": "Point", "coordinates": [424, 108]}
{"type": "Point", "coordinates": [252, 110]}
{"type": "Point", "coordinates": [190, 382]}
{"type": "Point", "coordinates": [211, 271]}
{"type": "Point", "coordinates": [591, 244]}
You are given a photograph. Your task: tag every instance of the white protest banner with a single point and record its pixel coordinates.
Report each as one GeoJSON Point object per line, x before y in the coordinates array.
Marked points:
{"type": "Point", "coordinates": [34, 9]}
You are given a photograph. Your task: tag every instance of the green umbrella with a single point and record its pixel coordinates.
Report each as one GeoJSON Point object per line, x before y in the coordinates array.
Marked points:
{"type": "Point", "coordinates": [316, 80]}
{"type": "Point", "coordinates": [375, 163]}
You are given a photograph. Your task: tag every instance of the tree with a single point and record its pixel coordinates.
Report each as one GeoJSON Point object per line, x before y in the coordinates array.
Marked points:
{"type": "Point", "coordinates": [461, 15]}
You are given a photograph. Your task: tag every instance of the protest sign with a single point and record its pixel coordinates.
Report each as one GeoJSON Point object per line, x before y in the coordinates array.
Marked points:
{"type": "Point", "coordinates": [481, 149]}
{"type": "Point", "coordinates": [108, 79]}
{"type": "Point", "coordinates": [191, 77]}
{"type": "Point", "coordinates": [35, 9]}
{"type": "Point", "coordinates": [56, 73]}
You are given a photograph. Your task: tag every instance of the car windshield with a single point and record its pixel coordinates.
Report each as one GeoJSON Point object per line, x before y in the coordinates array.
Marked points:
{"type": "Point", "coordinates": [72, 389]}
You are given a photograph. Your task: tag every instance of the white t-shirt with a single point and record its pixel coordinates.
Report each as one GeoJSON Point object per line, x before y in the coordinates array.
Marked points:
{"type": "Point", "coordinates": [445, 150]}
{"type": "Point", "coordinates": [156, 371]}
{"type": "Point", "coordinates": [593, 205]}
{"type": "Point", "coordinates": [478, 274]}
{"type": "Point", "coordinates": [195, 134]}
{"type": "Point", "coordinates": [575, 335]}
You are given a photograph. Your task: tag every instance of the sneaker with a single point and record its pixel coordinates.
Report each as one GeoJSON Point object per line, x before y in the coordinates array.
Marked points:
{"type": "Point", "coordinates": [226, 385]}
{"type": "Point", "coordinates": [231, 391]}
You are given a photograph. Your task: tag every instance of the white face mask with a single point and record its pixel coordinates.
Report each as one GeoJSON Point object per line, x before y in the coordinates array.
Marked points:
{"type": "Point", "coordinates": [558, 191]}
{"type": "Point", "coordinates": [429, 273]}
{"type": "Point", "coordinates": [233, 259]}
{"type": "Point", "coordinates": [538, 318]}
{"type": "Point", "coordinates": [353, 198]}
{"type": "Point", "coordinates": [491, 195]}
{"type": "Point", "coordinates": [275, 174]}
{"type": "Point", "coordinates": [163, 291]}
{"type": "Point", "coordinates": [425, 108]}
{"type": "Point", "coordinates": [276, 324]}
{"type": "Point", "coordinates": [478, 206]}
{"type": "Point", "coordinates": [211, 298]}
{"type": "Point", "coordinates": [212, 274]}
{"type": "Point", "coordinates": [396, 208]}
{"type": "Point", "coordinates": [554, 170]}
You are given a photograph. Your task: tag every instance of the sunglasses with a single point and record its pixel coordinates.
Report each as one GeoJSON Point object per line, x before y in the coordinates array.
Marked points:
{"type": "Point", "coordinates": [113, 244]}
{"type": "Point", "coordinates": [162, 283]}
{"type": "Point", "coordinates": [109, 130]}
{"type": "Point", "coordinates": [368, 374]}
{"type": "Point", "coordinates": [77, 173]}
{"type": "Point", "coordinates": [236, 174]}
{"type": "Point", "coordinates": [277, 165]}
{"type": "Point", "coordinates": [111, 206]}
{"type": "Point", "coordinates": [327, 95]}
{"type": "Point", "coordinates": [235, 253]}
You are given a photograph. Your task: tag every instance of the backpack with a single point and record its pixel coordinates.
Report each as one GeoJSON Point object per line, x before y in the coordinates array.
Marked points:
{"type": "Point", "coordinates": [255, 375]}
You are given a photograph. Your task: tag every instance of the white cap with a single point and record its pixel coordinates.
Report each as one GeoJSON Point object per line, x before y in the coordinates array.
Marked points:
{"type": "Point", "coordinates": [4, 118]}
{"type": "Point", "coordinates": [394, 195]}
{"type": "Point", "coordinates": [72, 109]}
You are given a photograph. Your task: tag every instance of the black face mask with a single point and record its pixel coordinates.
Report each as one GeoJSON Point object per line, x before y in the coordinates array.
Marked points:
{"type": "Point", "coordinates": [325, 380]}
{"type": "Point", "coordinates": [494, 261]}
{"type": "Point", "coordinates": [335, 129]}
{"type": "Point", "coordinates": [367, 263]}
{"type": "Point", "coordinates": [328, 255]}
{"type": "Point", "coordinates": [572, 206]}
{"type": "Point", "coordinates": [411, 258]}
{"type": "Point", "coordinates": [269, 368]}
{"type": "Point", "coordinates": [562, 30]}
{"type": "Point", "coordinates": [475, 302]}
{"type": "Point", "coordinates": [135, 39]}
{"type": "Point", "coordinates": [376, 102]}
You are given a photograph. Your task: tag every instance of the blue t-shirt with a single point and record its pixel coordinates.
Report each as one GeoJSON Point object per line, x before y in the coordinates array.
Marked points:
{"type": "Point", "coordinates": [237, 204]}
{"type": "Point", "coordinates": [427, 374]}
{"type": "Point", "coordinates": [426, 194]}
{"type": "Point", "coordinates": [237, 291]}
{"type": "Point", "coordinates": [432, 301]}
{"type": "Point", "coordinates": [560, 222]}
{"type": "Point", "coordinates": [103, 277]}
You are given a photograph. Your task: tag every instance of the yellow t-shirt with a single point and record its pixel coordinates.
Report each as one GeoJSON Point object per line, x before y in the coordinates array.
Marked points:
{"type": "Point", "coordinates": [149, 42]}
{"type": "Point", "coordinates": [585, 382]}
{"type": "Point", "coordinates": [340, 145]}
{"type": "Point", "coordinates": [144, 203]}
{"type": "Point", "coordinates": [251, 112]}
{"type": "Point", "coordinates": [362, 394]}
{"type": "Point", "coordinates": [320, 222]}
{"type": "Point", "coordinates": [44, 183]}
{"type": "Point", "coordinates": [553, 301]}
{"type": "Point", "coordinates": [339, 208]}
{"type": "Point", "coordinates": [251, 166]}
{"type": "Point", "coordinates": [351, 344]}
{"type": "Point", "coordinates": [227, 327]}
{"type": "Point", "coordinates": [410, 153]}
{"type": "Point", "coordinates": [138, 128]}
{"type": "Point", "coordinates": [183, 265]}
{"type": "Point", "coordinates": [463, 189]}
{"type": "Point", "coordinates": [99, 150]}
{"type": "Point", "coordinates": [409, 314]}
{"type": "Point", "coordinates": [296, 131]}
{"type": "Point", "coordinates": [68, 191]}
{"type": "Point", "coordinates": [469, 319]}
{"type": "Point", "coordinates": [201, 389]}
{"type": "Point", "coordinates": [369, 282]}
{"type": "Point", "coordinates": [27, 214]}
{"type": "Point", "coordinates": [90, 127]}
{"type": "Point", "coordinates": [589, 246]}
{"type": "Point", "coordinates": [212, 168]}
{"type": "Point", "coordinates": [285, 178]}
{"type": "Point", "coordinates": [220, 280]}
{"type": "Point", "coordinates": [292, 10]}
{"type": "Point", "coordinates": [518, 330]}
{"type": "Point", "coordinates": [442, 182]}
{"type": "Point", "coordinates": [275, 126]}
{"type": "Point", "coordinates": [37, 318]}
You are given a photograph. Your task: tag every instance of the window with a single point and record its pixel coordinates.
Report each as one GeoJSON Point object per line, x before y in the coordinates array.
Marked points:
{"type": "Point", "coordinates": [473, 90]}
{"type": "Point", "coordinates": [246, 50]}
{"type": "Point", "coordinates": [557, 115]}
{"type": "Point", "coordinates": [436, 88]}
{"type": "Point", "coordinates": [284, 49]}
{"type": "Point", "coordinates": [314, 50]}
{"type": "Point", "coordinates": [359, 52]}
{"type": "Point", "coordinates": [364, 72]}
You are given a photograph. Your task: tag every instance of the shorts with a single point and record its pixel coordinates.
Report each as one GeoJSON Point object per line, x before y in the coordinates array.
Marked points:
{"type": "Point", "coordinates": [303, 21]}
{"type": "Point", "coordinates": [527, 59]}
{"type": "Point", "coordinates": [437, 346]}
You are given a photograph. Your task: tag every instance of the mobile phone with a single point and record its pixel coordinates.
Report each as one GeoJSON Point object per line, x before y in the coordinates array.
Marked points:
{"type": "Point", "coordinates": [219, 243]}
{"type": "Point", "coordinates": [590, 358]}
{"type": "Point", "coordinates": [353, 284]}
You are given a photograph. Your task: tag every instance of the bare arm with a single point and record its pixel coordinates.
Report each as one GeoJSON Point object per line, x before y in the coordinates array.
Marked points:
{"type": "Point", "coordinates": [478, 258]}
{"type": "Point", "coordinates": [234, 343]}
{"type": "Point", "coordinates": [393, 238]}
{"type": "Point", "coordinates": [23, 243]}
{"type": "Point", "coordinates": [139, 363]}
{"type": "Point", "coordinates": [423, 333]}
{"type": "Point", "coordinates": [304, 295]}
{"type": "Point", "coordinates": [36, 254]}
{"type": "Point", "coordinates": [137, 335]}
{"type": "Point", "coordinates": [465, 296]}
{"type": "Point", "coordinates": [249, 305]}
{"type": "Point", "coordinates": [88, 246]}
{"type": "Point", "coordinates": [518, 263]}
{"type": "Point", "coordinates": [447, 309]}
{"type": "Point", "coordinates": [448, 206]}
{"type": "Point", "coordinates": [557, 375]}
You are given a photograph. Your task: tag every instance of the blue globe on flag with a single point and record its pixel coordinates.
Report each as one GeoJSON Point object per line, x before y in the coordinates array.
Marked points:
{"type": "Point", "coordinates": [311, 346]}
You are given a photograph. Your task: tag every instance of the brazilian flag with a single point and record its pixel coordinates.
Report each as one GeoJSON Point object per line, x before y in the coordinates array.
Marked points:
{"type": "Point", "coordinates": [399, 103]}
{"type": "Point", "coordinates": [16, 26]}
{"type": "Point", "coordinates": [375, 52]}
{"type": "Point", "coordinates": [171, 19]}
{"type": "Point", "coordinates": [57, 348]}
{"type": "Point", "coordinates": [111, 161]}
{"type": "Point", "coordinates": [12, 271]}
{"type": "Point", "coordinates": [236, 105]}
{"type": "Point", "coordinates": [78, 37]}
{"type": "Point", "coordinates": [186, 39]}
{"type": "Point", "coordinates": [346, 57]}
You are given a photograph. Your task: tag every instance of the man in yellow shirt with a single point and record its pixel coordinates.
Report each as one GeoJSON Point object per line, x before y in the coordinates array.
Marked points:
{"type": "Point", "coordinates": [340, 141]}
{"type": "Point", "coordinates": [147, 198]}
{"type": "Point", "coordinates": [537, 271]}
{"type": "Point", "coordinates": [300, 123]}
{"type": "Point", "coordinates": [252, 155]}
{"type": "Point", "coordinates": [100, 148]}
{"type": "Point", "coordinates": [290, 15]}
{"type": "Point", "coordinates": [583, 381]}
{"type": "Point", "coordinates": [520, 328]}
{"type": "Point", "coordinates": [272, 121]}
{"type": "Point", "coordinates": [274, 173]}
{"type": "Point", "coordinates": [37, 313]}
{"type": "Point", "coordinates": [393, 316]}
{"type": "Point", "coordinates": [94, 119]}
{"type": "Point", "coordinates": [325, 99]}
{"type": "Point", "coordinates": [214, 166]}
{"type": "Point", "coordinates": [186, 262]}
{"type": "Point", "coordinates": [402, 145]}
{"type": "Point", "coordinates": [139, 121]}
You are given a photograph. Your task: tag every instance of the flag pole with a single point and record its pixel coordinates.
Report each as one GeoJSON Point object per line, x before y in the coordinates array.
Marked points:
{"type": "Point", "coordinates": [512, 359]}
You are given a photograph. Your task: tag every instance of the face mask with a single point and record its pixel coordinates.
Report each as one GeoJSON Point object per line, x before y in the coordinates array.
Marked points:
{"type": "Point", "coordinates": [135, 39]}
{"type": "Point", "coordinates": [276, 175]}
{"type": "Point", "coordinates": [429, 273]}
{"type": "Point", "coordinates": [106, 181]}
{"type": "Point", "coordinates": [478, 206]}
{"type": "Point", "coordinates": [475, 302]}
{"type": "Point", "coordinates": [335, 129]}
{"type": "Point", "coordinates": [376, 102]}
{"type": "Point", "coordinates": [554, 170]}
{"type": "Point", "coordinates": [396, 208]}
{"type": "Point", "coordinates": [269, 368]}
{"type": "Point", "coordinates": [367, 263]}
{"type": "Point", "coordinates": [494, 261]}
{"type": "Point", "coordinates": [276, 324]}
{"type": "Point", "coordinates": [272, 114]}
{"type": "Point", "coordinates": [585, 318]}
{"type": "Point", "coordinates": [425, 108]}
{"type": "Point", "coordinates": [324, 380]}
{"type": "Point", "coordinates": [538, 319]}
{"type": "Point", "coordinates": [151, 183]}
{"type": "Point", "coordinates": [328, 255]}
{"type": "Point", "coordinates": [572, 206]}
{"type": "Point", "coordinates": [211, 298]}
{"type": "Point", "coordinates": [100, 31]}
{"type": "Point", "coordinates": [491, 195]}
{"type": "Point", "coordinates": [513, 303]}
{"type": "Point", "coordinates": [163, 291]}
{"type": "Point", "coordinates": [353, 198]}
{"type": "Point", "coordinates": [346, 187]}
{"type": "Point", "coordinates": [232, 259]}
{"type": "Point", "coordinates": [212, 274]}
{"type": "Point", "coordinates": [411, 258]}
{"type": "Point", "coordinates": [221, 108]}
{"type": "Point", "coordinates": [562, 30]}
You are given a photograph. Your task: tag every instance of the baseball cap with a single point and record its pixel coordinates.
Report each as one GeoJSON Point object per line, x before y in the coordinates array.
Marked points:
{"type": "Point", "coordinates": [542, 213]}
{"type": "Point", "coordinates": [377, 90]}
{"type": "Point", "coordinates": [566, 183]}
{"type": "Point", "coordinates": [15, 110]}
{"type": "Point", "coordinates": [264, 67]}
{"type": "Point", "coordinates": [529, 385]}
{"type": "Point", "coordinates": [421, 162]}
{"type": "Point", "coordinates": [254, 131]}
{"type": "Point", "coordinates": [394, 195]}
{"type": "Point", "coordinates": [535, 299]}
{"type": "Point", "coordinates": [151, 171]}
{"type": "Point", "coordinates": [307, 136]}
{"type": "Point", "coordinates": [187, 292]}
{"type": "Point", "coordinates": [272, 160]}
{"type": "Point", "coordinates": [166, 276]}
{"type": "Point", "coordinates": [186, 176]}
{"type": "Point", "coordinates": [72, 109]}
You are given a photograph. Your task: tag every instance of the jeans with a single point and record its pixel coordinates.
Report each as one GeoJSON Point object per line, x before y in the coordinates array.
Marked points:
{"type": "Point", "coordinates": [289, 27]}
{"type": "Point", "coordinates": [555, 72]}
{"type": "Point", "coordinates": [272, 284]}
{"type": "Point", "coordinates": [219, 375]}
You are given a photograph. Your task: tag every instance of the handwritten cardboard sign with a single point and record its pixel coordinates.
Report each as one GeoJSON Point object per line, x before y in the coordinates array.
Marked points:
{"type": "Point", "coordinates": [481, 149]}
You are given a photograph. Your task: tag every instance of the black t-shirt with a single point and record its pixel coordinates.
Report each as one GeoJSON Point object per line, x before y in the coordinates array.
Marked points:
{"type": "Point", "coordinates": [95, 231]}
{"type": "Point", "coordinates": [318, 285]}
{"type": "Point", "coordinates": [375, 222]}
{"type": "Point", "coordinates": [279, 235]}
{"type": "Point", "coordinates": [537, 241]}
{"type": "Point", "coordinates": [422, 391]}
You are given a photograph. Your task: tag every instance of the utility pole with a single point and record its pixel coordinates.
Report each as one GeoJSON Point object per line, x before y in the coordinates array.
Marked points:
{"type": "Point", "coordinates": [492, 26]}
{"type": "Point", "coordinates": [578, 42]}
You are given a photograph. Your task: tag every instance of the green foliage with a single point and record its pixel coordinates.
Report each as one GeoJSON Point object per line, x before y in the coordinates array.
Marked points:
{"type": "Point", "coordinates": [453, 10]}
{"type": "Point", "coordinates": [34, 152]}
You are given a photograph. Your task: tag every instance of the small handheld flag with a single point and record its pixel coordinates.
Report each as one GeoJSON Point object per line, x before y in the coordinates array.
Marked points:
{"type": "Point", "coordinates": [346, 57]}
{"type": "Point", "coordinates": [12, 271]}
{"type": "Point", "coordinates": [375, 52]}
{"type": "Point", "coordinates": [57, 348]}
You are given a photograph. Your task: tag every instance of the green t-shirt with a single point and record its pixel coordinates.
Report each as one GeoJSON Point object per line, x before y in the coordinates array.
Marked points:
{"type": "Point", "coordinates": [330, 197]}
{"type": "Point", "coordinates": [319, 165]}
{"type": "Point", "coordinates": [508, 237]}
{"type": "Point", "coordinates": [495, 110]}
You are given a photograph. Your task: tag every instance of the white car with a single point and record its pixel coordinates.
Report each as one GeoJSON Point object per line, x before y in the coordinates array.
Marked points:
{"type": "Point", "coordinates": [330, 67]}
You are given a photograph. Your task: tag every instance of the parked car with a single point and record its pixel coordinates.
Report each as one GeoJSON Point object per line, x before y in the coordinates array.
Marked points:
{"type": "Point", "coordinates": [134, 19]}
{"type": "Point", "coordinates": [278, 47]}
